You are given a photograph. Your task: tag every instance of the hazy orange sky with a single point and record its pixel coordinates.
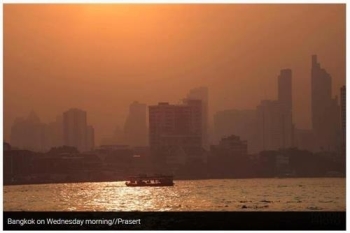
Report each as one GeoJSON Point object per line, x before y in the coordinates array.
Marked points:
{"type": "Point", "coordinates": [100, 58]}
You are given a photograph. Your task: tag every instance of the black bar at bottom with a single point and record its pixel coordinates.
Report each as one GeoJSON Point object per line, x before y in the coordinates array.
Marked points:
{"type": "Point", "coordinates": [174, 220]}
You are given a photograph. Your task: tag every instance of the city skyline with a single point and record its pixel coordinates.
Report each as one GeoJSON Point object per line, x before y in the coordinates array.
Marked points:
{"type": "Point", "coordinates": [169, 113]}
{"type": "Point", "coordinates": [231, 62]}
{"type": "Point", "coordinates": [268, 126]}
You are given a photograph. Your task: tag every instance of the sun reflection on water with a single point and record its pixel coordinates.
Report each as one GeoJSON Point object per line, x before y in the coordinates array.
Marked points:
{"type": "Point", "coordinates": [201, 195]}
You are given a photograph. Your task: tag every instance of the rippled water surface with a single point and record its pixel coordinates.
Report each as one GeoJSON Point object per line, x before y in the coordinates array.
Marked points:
{"type": "Point", "coordinates": [194, 195]}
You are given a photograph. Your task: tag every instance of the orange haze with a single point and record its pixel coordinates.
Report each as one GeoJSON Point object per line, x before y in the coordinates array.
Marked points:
{"type": "Point", "coordinates": [100, 58]}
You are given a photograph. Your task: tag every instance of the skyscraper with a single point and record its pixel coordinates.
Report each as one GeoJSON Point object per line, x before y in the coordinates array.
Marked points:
{"type": "Point", "coordinates": [324, 109]}
{"type": "Point", "coordinates": [29, 133]}
{"type": "Point", "coordinates": [201, 93]}
{"type": "Point", "coordinates": [285, 101]}
{"type": "Point", "coordinates": [90, 137]}
{"type": "Point", "coordinates": [285, 88]}
{"type": "Point", "coordinates": [275, 127]}
{"type": "Point", "coordinates": [343, 117]}
{"type": "Point", "coordinates": [321, 94]}
{"type": "Point", "coordinates": [75, 129]}
{"type": "Point", "coordinates": [270, 127]}
{"type": "Point", "coordinates": [135, 128]}
{"type": "Point", "coordinates": [55, 131]}
{"type": "Point", "coordinates": [175, 126]}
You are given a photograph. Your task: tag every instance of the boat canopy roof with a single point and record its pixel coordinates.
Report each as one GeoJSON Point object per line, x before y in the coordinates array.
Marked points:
{"type": "Point", "coordinates": [154, 177]}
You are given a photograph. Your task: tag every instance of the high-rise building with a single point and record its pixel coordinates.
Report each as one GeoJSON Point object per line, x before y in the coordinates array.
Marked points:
{"type": "Point", "coordinates": [324, 109]}
{"type": "Point", "coordinates": [175, 126]}
{"type": "Point", "coordinates": [285, 88]}
{"type": "Point", "coordinates": [321, 94]}
{"type": "Point", "coordinates": [135, 128]}
{"type": "Point", "coordinates": [268, 125]}
{"type": "Point", "coordinates": [29, 133]}
{"type": "Point", "coordinates": [201, 93]}
{"type": "Point", "coordinates": [343, 117]}
{"type": "Point", "coordinates": [75, 129]}
{"type": "Point", "coordinates": [285, 101]}
{"type": "Point", "coordinates": [273, 125]}
{"type": "Point", "coordinates": [90, 137]}
{"type": "Point", "coordinates": [55, 132]}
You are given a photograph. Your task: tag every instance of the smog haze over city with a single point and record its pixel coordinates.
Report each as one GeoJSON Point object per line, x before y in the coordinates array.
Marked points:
{"type": "Point", "coordinates": [146, 108]}
{"type": "Point", "coordinates": [102, 57]}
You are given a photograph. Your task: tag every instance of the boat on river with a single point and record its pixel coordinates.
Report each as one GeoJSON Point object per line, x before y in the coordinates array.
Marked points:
{"type": "Point", "coordinates": [144, 180]}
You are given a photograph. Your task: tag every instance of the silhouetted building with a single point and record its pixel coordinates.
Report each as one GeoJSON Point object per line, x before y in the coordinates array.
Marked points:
{"type": "Point", "coordinates": [90, 138]}
{"type": "Point", "coordinates": [267, 163]}
{"type": "Point", "coordinates": [272, 126]}
{"type": "Point", "coordinates": [325, 110]}
{"type": "Point", "coordinates": [229, 158]}
{"type": "Point", "coordinates": [29, 133]}
{"type": "Point", "coordinates": [285, 100]}
{"type": "Point", "coordinates": [117, 137]}
{"type": "Point", "coordinates": [16, 164]}
{"type": "Point", "coordinates": [231, 146]}
{"type": "Point", "coordinates": [285, 88]}
{"type": "Point", "coordinates": [304, 139]}
{"type": "Point", "coordinates": [242, 123]}
{"type": "Point", "coordinates": [135, 128]}
{"type": "Point", "coordinates": [343, 117]}
{"type": "Point", "coordinates": [117, 158]}
{"type": "Point", "coordinates": [175, 126]}
{"type": "Point", "coordinates": [55, 132]}
{"type": "Point", "coordinates": [201, 93]}
{"type": "Point", "coordinates": [275, 121]}
{"type": "Point", "coordinates": [75, 129]}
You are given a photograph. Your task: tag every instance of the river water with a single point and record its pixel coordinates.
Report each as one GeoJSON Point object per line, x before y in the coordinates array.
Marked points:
{"type": "Point", "coordinates": [292, 194]}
